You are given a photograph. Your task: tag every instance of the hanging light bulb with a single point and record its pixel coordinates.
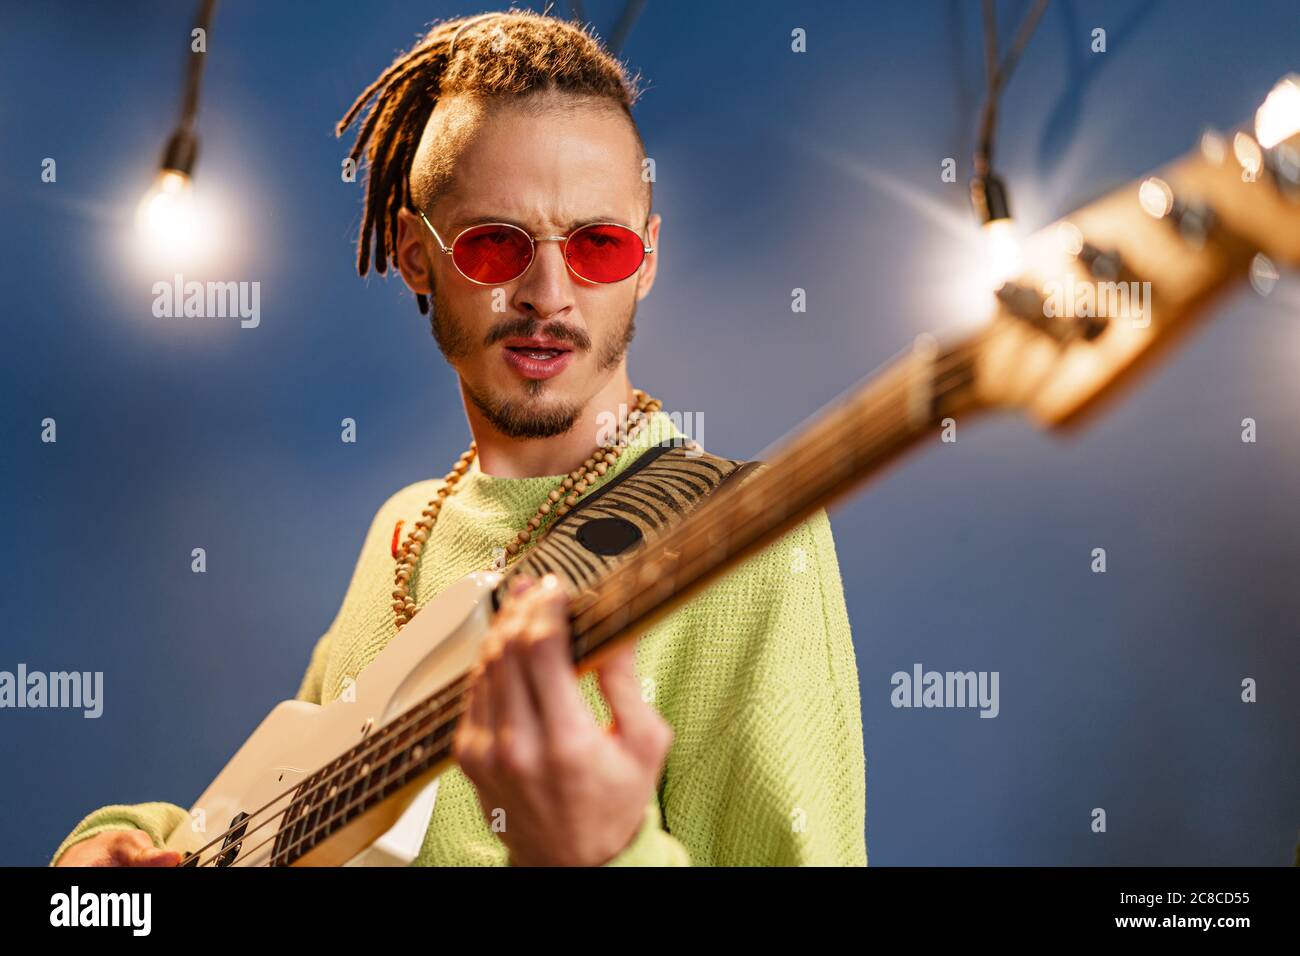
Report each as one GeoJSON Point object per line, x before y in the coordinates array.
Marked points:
{"type": "Point", "coordinates": [172, 227]}
{"type": "Point", "coordinates": [1001, 251]}
{"type": "Point", "coordinates": [1003, 260]}
{"type": "Point", "coordinates": [167, 218]}
{"type": "Point", "coordinates": [1001, 238]}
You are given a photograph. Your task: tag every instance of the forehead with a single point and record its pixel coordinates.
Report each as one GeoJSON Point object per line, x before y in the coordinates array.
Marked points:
{"type": "Point", "coordinates": [548, 163]}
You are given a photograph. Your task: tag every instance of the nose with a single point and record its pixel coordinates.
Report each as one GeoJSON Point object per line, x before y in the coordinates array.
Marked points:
{"type": "Point", "coordinates": [546, 289]}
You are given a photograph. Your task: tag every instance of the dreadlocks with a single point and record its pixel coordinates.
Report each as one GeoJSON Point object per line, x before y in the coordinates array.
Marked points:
{"type": "Point", "coordinates": [496, 54]}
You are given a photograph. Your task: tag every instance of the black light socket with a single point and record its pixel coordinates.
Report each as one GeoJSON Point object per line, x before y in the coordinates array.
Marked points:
{"type": "Point", "coordinates": [988, 194]}
{"type": "Point", "coordinates": [181, 152]}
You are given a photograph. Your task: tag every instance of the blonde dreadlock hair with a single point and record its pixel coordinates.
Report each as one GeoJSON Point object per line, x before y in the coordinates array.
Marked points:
{"type": "Point", "coordinates": [510, 54]}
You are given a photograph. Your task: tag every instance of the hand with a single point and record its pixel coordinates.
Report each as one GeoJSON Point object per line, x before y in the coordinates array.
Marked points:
{"type": "Point", "coordinates": [573, 792]}
{"type": "Point", "coordinates": [118, 848]}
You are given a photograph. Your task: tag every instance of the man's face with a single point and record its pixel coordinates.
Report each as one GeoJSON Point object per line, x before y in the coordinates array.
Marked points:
{"type": "Point", "coordinates": [531, 353]}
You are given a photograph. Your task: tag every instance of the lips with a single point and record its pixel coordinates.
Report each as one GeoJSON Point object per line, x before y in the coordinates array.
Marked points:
{"type": "Point", "coordinates": [537, 343]}
{"type": "Point", "coordinates": [537, 358]}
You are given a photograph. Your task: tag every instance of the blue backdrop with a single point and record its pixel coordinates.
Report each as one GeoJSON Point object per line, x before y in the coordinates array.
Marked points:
{"type": "Point", "coordinates": [775, 170]}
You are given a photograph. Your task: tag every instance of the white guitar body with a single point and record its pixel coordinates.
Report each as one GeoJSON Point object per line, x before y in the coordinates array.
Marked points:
{"type": "Point", "coordinates": [295, 739]}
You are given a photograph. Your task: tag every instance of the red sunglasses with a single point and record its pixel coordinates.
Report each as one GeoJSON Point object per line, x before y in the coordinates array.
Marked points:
{"type": "Point", "coordinates": [494, 253]}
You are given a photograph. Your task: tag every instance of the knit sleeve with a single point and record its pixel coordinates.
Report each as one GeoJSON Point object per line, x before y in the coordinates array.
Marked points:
{"type": "Point", "coordinates": [156, 819]}
{"type": "Point", "coordinates": [759, 680]}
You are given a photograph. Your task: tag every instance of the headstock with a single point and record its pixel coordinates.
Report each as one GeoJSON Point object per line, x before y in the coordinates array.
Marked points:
{"type": "Point", "coordinates": [1146, 261]}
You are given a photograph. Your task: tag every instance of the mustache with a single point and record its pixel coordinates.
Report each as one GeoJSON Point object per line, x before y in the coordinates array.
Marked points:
{"type": "Point", "coordinates": [525, 328]}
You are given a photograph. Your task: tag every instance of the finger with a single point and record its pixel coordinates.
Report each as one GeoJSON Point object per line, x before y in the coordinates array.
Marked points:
{"type": "Point", "coordinates": [480, 711]}
{"type": "Point", "coordinates": [126, 844]}
{"type": "Point", "coordinates": [128, 848]}
{"type": "Point", "coordinates": [512, 617]}
{"type": "Point", "coordinates": [465, 745]}
{"type": "Point", "coordinates": [497, 667]}
{"type": "Point", "coordinates": [636, 722]}
{"type": "Point", "coordinates": [475, 734]}
{"type": "Point", "coordinates": [548, 662]}
{"type": "Point", "coordinates": [509, 616]}
{"type": "Point", "coordinates": [158, 857]}
{"type": "Point", "coordinates": [511, 697]}
{"type": "Point", "coordinates": [516, 725]}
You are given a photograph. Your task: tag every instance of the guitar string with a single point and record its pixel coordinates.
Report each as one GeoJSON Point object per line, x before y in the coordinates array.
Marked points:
{"type": "Point", "coordinates": [935, 369]}
{"type": "Point", "coordinates": [415, 719]}
{"type": "Point", "coordinates": [690, 534]}
{"type": "Point", "coordinates": [421, 713]}
{"type": "Point", "coordinates": [408, 719]}
{"type": "Point", "coordinates": [243, 826]}
{"type": "Point", "coordinates": [291, 790]}
{"type": "Point", "coordinates": [370, 791]}
{"type": "Point", "coordinates": [892, 392]}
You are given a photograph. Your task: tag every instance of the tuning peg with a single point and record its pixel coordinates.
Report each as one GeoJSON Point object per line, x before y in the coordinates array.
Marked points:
{"type": "Point", "coordinates": [1029, 304]}
{"type": "Point", "coordinates": [1022, 300]}
{"type": "Point", "coordinates": [1104, 264]}
{"type": "Point", "coordinates": [1194, 218]}
{"type": "Point", "coordinates": [1213, 147]}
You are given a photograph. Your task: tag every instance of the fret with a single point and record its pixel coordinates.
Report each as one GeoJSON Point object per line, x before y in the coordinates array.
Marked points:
{"type": "Point", "coordinates": [1056, 371]}
{"type": "Point", "coordinates": [331, 793]}
{"type": "Point", "coordinates": [867, 431]}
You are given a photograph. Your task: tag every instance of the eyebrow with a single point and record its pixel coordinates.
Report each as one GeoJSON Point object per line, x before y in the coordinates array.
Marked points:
{"type": "Point", "coordinates": [462, 223]}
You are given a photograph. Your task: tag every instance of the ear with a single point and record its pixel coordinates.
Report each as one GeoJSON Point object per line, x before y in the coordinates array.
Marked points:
{"type": "Point", "coordinates": [650, 267]}
{"type": "Point", "coordinates": [414, 257]}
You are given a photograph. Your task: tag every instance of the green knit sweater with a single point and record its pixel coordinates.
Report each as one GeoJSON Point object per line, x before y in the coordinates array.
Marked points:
{"type": "Point", "coordinates": [756, 676]}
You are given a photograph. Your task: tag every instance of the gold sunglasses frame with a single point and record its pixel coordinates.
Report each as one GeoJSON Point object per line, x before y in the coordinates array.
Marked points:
{"type": "Point", "coordinates": [533, 241]}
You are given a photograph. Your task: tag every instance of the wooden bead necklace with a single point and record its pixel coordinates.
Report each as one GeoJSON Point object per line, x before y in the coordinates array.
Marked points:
{"type": "Point", "coordinates": [558, 502]}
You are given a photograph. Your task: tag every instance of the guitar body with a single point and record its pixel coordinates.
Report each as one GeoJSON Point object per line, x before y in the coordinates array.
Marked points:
{"type": "Point", "coordinates": [295, 739]}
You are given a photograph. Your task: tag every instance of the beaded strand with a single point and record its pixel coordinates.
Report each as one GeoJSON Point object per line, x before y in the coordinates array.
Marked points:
{"type": "Point", "coordinates": [558, 502]}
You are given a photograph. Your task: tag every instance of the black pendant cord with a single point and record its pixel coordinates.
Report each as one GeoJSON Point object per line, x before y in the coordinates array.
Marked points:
{"type": "Point", "coordinates": [194, 67]}
{"type": "Point", "coordinates": [997, 75]}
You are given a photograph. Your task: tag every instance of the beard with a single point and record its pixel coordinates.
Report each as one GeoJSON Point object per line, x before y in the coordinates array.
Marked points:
{"type": "Point", "coordinates": [532, 416]}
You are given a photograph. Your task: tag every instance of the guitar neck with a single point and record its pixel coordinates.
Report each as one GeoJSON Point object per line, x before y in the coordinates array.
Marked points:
{"type": "Point", "coordinates": [846, 445]}
{"type": "Point", "coordinates": [1185, 235]}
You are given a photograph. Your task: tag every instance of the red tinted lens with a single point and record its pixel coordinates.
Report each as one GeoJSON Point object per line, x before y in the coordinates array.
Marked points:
{"type": "Point", "coordinates": [492, 253]}
{"type": "Point", "coordinates": [605, 253]}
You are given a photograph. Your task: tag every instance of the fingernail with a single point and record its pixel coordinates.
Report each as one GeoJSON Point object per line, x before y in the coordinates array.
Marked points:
{"type": "Point", "coordinates": [520, 583]}
{"type": "Point", "coordinates": [550, 582]}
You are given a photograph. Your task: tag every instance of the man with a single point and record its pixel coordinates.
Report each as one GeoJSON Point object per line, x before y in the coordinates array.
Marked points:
{"type": "Point", "coordinates": [730, 733]}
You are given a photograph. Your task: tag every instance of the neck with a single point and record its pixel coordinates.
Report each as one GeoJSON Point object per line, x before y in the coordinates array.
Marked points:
{"type": "Point", "coordinates": [501, 456]}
